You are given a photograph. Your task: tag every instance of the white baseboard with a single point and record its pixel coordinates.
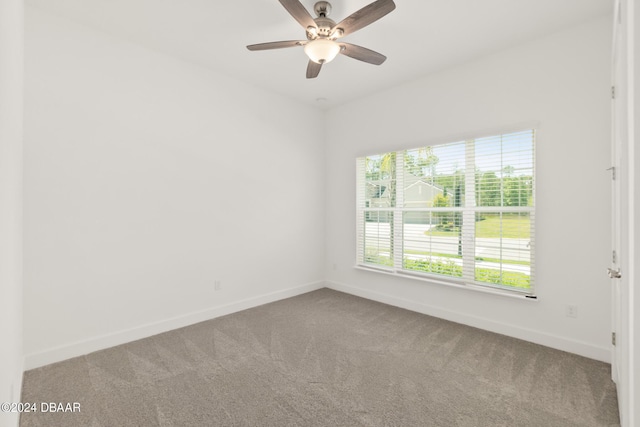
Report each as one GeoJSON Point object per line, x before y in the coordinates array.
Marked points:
{"type": "Point", "coordinates": [537, 337]}
{"type": "Point", "coordinates": [79, 348]}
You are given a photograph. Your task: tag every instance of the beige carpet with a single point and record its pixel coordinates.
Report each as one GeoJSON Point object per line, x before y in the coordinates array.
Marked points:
{"type": "Point", "coordinates": [326, 359]}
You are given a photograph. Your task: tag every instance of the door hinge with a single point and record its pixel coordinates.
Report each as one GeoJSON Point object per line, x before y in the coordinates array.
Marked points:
{"type": "Point", "coordinates": [613, 92]}
{"type": "Point", "coordinates": [614, 274]}
{"type": "Point", "coordinates": [614, 257]}
{"type": "Point", "coordinates": [613, 338]}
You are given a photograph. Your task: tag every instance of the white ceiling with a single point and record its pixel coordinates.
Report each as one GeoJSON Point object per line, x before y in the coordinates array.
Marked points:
{"type": "Point", "coordinates": [418, 37]}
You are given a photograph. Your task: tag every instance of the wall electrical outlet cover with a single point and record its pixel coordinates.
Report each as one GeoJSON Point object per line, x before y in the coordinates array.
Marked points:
{"type": "Point", "coordinates": [572, 310]}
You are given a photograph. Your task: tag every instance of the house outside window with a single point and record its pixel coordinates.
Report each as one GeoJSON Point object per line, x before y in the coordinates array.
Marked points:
{"type": "Point", "coordinates": [462, 212]}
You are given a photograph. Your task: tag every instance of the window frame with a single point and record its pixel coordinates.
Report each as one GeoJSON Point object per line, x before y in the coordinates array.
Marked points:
{"type": "Point", "coordinates": [468, 231]}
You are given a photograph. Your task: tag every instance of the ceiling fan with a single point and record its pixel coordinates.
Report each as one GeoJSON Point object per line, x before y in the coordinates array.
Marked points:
{"type": "Point", "coordinates": [321, 45]}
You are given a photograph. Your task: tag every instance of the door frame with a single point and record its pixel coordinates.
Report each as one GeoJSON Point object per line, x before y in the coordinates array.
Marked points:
{"type": "Point", "coordinates": [625, 357]}
{"type": "Point", "coordinates": [617, 178]}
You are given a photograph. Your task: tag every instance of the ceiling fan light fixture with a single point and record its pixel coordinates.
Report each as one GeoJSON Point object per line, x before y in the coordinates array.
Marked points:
{"type": "Point", "coordinates": [321, 46]}
{"type": "Point", "coordinates": [322, 51]}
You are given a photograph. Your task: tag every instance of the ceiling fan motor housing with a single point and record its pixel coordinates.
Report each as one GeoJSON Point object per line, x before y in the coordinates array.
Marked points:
{"type": "Point", "coordinates": [323, 23]}
{"type": "Point", "coordinates": [324, 26]}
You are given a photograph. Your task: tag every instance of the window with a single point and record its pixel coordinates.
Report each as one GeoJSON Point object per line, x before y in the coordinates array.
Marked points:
{"type": "Point", "coordinates": [463, 211]}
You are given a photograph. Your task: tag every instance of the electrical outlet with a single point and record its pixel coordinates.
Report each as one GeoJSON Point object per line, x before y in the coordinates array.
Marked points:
{"type": "Point", "coordinates": [217, 285]}
{"type": "Point", "coordinates": [572, 310]}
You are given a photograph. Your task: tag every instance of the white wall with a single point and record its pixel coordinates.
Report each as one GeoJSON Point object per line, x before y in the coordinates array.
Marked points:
{"type": "Point", "coordinates": [11, 117]}
{"type": "Point", "coordinates": [562, 82]}
{"type": "Point", "coordinates": [146, 180]}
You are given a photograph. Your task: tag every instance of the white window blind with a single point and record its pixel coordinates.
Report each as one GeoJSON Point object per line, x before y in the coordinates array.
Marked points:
{"type": "Point", "coordinates": [462, 211]}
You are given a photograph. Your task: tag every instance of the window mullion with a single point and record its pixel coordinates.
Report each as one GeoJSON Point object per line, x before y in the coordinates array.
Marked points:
{"type": "Point", "coordinates": [398, 216]}
{"type": "Point", "coordinates": [469, 215]}
{"type": "Point", "coordinates": [360, 211]}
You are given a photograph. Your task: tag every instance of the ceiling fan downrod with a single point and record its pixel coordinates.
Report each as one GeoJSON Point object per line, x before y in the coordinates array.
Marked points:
{"type": "Point", "coordinates": [322, 9]}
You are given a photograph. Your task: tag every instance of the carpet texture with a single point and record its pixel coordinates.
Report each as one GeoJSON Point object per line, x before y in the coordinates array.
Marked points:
{"type": "Point", "coordinates": [325, 359]}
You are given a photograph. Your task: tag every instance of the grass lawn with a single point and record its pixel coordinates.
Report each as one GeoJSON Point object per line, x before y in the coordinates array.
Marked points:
{"type": "Point", "coordinates": [487, 275]}
{"type": "Point", "coordinates": [449, 268]}
{"type": "Point", "coordinates": [512, 226]}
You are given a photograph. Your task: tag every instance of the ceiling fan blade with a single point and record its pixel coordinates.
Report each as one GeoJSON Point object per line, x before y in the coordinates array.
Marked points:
{"type": "Point", "coordinates": [313, 69]}
{"type": "Point", "coordinates": [299, 13]}
{"type": "Point", "coordinates": [364, 16]}
{"type": "Point", "coordinates": [362, 53]}
{"type": "Point", "coordinates": [276, 45]}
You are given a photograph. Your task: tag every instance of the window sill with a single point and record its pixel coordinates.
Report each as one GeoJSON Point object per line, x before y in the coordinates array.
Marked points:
{"type": "Point", "coordinates": [458, 285]}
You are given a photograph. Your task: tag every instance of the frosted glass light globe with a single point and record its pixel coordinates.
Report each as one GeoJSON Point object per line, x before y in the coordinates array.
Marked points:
{"type": "Point", "coordinates": [322, 51]}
